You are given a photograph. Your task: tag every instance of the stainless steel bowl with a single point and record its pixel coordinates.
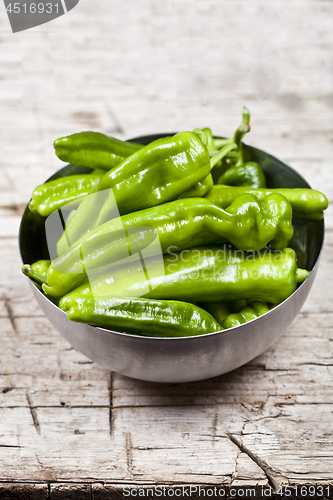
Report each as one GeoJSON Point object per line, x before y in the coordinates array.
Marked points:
{"type": "Point", "coordinates": [190, 358]}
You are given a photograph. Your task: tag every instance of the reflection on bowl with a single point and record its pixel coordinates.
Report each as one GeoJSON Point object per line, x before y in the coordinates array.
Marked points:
{"type": "Point", "coordinates": [189, 358]}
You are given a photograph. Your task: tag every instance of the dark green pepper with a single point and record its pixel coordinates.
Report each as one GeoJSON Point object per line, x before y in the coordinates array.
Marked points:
{"type": "Point", "coordinates": [248, 313]}
{"type": "Point", "coordinates": [247, 224]}
{"type": "Point", "coordinates": [247, 174]}
{"type": "Point", "coordinates": [219, 310]}
{"type": "Point", "coordinates": [306, 203]}
{"type": "Point", "coordinates": [150, 318]}
{"type": "Point", "coordinates": [300, 241]}
{"type": "Point", "coordinates": [204, 274]}
{"type": "Point", "coordinates": [238, 171]}
{"type": "Point", "coordinates": [94, 150]}
{"type": "Point", "coordinates": [52, 195]}
{"type": "Point", "coordinates": [158, 173]}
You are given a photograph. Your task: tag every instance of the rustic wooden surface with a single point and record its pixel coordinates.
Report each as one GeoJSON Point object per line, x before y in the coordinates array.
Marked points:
{"type": "Point", "coordinates": [136, 67]}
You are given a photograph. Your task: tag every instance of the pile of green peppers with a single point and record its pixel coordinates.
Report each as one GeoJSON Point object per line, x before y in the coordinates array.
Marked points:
{"type": "Point", "coordinates": [180, 237]}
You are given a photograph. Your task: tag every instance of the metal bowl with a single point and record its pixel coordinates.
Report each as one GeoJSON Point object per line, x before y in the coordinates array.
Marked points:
{"type": "Point", "coordinates": [190, 358]}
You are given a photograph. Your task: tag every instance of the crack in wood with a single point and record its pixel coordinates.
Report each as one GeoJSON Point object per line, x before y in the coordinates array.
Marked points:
{"type": "Point", "coordinates": [83, 362]}
{"type": "Point", "coordinates": [214, 428]}
{"type": "Point", "coordinates": [267, 469]}
{"type": "Point", "coordinates": [11, 316]}
{"type": "Point", "coordinates": [111, 404]}
{"type": "Point", "coordinates": [117, 127]}
{"type": "Point", "coordinates": [10, 446]}
{"type": "Point", "coordinates": [315, 364]}
{"type": "Point", "coordinates": [7, 389]}
{"type": "Point", "coordinates": [16, 208]}
{"type": "Point", "coordinates": [129, 453]}
{"type": "Point", "coordinates": [33, 414]}
{"type": "Point", "coordinates": [39, 462]}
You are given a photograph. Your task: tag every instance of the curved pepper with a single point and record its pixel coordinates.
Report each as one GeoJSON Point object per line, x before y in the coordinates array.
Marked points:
{"type": "Point", "coordinates": [238, 171]}
{"type": "Point", "coordinates": [247, 174]}
{"type": "Point", "coordinates": [52, 195]}
{"type": "Point", "coordinates": [37, 271]}
{"type": "Point", "coordinates": [204, 274]}
{"type": "Point", "coordinates": [95, 150]}
{"type": "Point", "coordinates": [247, 224]}
{"type": "Point", "coordinates": [300, 242]}
{"type": "Point", "coordinates": [248, 313]}
{"type": "Point", "coordinates": [219, 310]}
{"type": "Point", "coordinates": [150, 318]}
{"type": "Point", "coordinates": [207, 183]}
{"type": "Point", "coordinates": [158, 173]}
{"type": "Point", "coordinates": [200, 189]}
{"type": "Point", "coordinates": [306, 203]}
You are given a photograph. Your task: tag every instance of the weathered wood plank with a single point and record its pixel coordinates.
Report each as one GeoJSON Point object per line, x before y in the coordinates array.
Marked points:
{"type": "Point", "coordinates": [12, 491]}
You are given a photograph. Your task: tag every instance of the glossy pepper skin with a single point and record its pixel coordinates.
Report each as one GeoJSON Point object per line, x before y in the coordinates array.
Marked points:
{"type": "Point", "coordinates": [247, 224]}
{"type": "Point", "coordinates": [207, 183]}
{"type": "Point", "coordinates": [150, 318]}
{"type": "Point", "coordinates": [158, 173]}
{"type": "Point", "coordinates": [236, 170]}
{"type": "Point", "coordinates": [247, 174]}
{"type": "Point", "coordinates": [37, 271]}
{"type": "Point", "coordinates": [212, 273]}
{"type": "Point", "coordinates": [52, 195]}
{"type": "Point", "coordinates": [200, 189]}
{"type": "Point", "coordinates": [248, 313]}
{"type": "Point", "coordinates": [243, 173]}
{"type": "Point", "coordinates": [306, 203]}
{"type": "Point", "coordinates": [220, 310]}
{"type": "Point", "coordinates": [95, 150]}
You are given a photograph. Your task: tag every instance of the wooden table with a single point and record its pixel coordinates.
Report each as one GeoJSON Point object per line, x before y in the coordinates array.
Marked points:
{"type": "Point", "coordinates": [129, 68]}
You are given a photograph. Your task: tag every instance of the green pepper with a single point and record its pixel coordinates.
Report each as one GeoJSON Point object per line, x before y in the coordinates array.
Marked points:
{"type": "Point", "coordinates": [52, 195]}
{"type": "Point", "coordinates": [158, 173]}
{"type": "Point", "coordinates": [37, 271]}
{"type": "Point", "coordinates": [150, 318]}
{"type": "Point", "coordinates": [300, 241]}
{"type": "Point", "coordinates": [247, 174]}
{"type": "Point", "coordinates": [248, 313]}
{"type": "Point", "coordinates": [95, 150]}
{"type": "Point", "coordinates": [237, 171]}
{"type": "Point", "coordinates": [239, 304]}
{"type": "Point", "coordinates": [200, 189]}
{"type": "Point", "coordinates": [306, 203]}
{"type": "Point", "coordinates": [247, 224]}
{"type": "Point", "coordinates": [219, 310]}
{"type": "Point", "coordinates": [207, 183]}
{"type": "Point", "coordinates": [203, 274]}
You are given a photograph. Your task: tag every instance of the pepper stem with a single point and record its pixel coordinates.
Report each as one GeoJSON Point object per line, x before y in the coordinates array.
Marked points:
{"type": "Point", "coordinates": [243, 129]}
{"type": "Point", "coordinates": [218, 143]}
{"type": "Point", "coordinates": [221, 154]}
{"type": "Point", "coordinates": [301, 275]}
{"type": "Point", "coordinates": [37, 277]}
{"type": "Point", "coordinates": [202, 134]}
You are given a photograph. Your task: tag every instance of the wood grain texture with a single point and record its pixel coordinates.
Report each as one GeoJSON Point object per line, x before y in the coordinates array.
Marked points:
{"type": "Point", "coordinates": [69, 428]}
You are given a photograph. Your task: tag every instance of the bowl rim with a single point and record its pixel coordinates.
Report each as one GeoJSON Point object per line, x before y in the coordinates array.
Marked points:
{"type": "Point", "coordinates": [204, 335]}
